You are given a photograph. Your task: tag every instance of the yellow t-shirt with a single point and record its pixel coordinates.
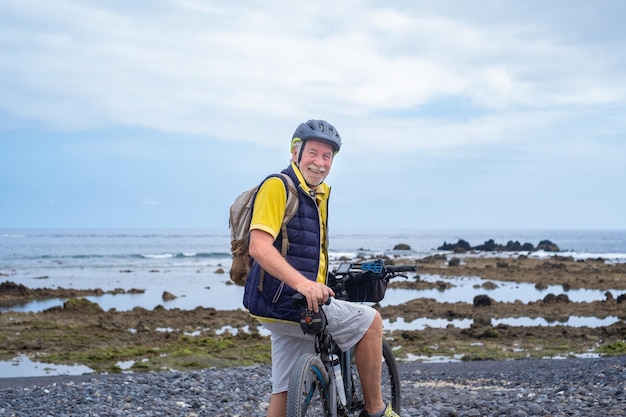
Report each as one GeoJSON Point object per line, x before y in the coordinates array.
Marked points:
{"type": "Point", "coordinates": [269, 210]}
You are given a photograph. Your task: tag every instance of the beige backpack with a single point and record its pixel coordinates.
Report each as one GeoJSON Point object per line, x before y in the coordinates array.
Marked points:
{"type": "Point", "coordinates": [239, 223]}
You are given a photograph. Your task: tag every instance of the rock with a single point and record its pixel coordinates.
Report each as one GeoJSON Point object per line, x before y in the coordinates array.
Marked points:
{"type": "Point", "coordinates": [81, 305]}
{"type": "Point", "coordinates": [9, 288]}
{"type": "Point", "coordinates": [461, 244]}
{"type": "Point", "coordinates": [402, 246]}
{"type": "Point", "coordinates": [168, 296]}
{"type": "Point", "coordinates": [482, 301]}
{"type": "Point", "coordinates": [454, 262]}
{"type": "Point", "coordinates": [534, 408]}
{"type": "Point", "coordinates": [490, 245]}
{"type": "Point", "coordinates": [548, 246]}
{"type": "Point", "coordinates": [551, 298]}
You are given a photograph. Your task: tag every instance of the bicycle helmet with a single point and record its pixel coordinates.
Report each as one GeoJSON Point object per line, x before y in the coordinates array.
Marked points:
{"type": "Point", "coordinates": [319, 130]}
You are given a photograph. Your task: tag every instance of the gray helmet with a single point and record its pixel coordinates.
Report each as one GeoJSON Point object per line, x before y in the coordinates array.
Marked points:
{"type": "Point", "coordinates": [319, 130]}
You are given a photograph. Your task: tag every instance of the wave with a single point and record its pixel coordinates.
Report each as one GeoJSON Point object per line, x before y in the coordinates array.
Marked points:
{"type": "Point", "coordinates": [184, 255]}
{"type": "Point", "coordinates": [610, 257]}
{"type": "Point", "coordinates": [121, 235]}
{"type": "Point", "coordinates": [164, 255]}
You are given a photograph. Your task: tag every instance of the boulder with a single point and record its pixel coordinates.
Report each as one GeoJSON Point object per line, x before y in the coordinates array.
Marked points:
{"type": "Point", "coordinates": [548, 246]}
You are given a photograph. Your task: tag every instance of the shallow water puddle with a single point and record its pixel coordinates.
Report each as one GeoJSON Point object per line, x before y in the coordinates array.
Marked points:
{"type": "Point", "coordinates": [421, 324]}
{"type": "Point", "coordinates": [22, 366]}
{"type": "Point", "coordinates": [466, 288]}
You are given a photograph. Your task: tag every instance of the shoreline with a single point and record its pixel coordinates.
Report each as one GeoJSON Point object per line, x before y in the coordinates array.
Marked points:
{"type": "Point", "coordinates": [81, 332]}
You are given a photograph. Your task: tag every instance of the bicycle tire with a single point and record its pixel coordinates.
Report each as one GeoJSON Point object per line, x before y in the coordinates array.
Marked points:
{"type": "Point", "coordinates": [390, 383]}
{"type": "Point", "coordinates": [308, 394]}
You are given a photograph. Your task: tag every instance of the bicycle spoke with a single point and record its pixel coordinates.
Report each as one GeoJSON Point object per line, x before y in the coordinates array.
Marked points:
{"type": "Point", "coordinates": [308, 385]}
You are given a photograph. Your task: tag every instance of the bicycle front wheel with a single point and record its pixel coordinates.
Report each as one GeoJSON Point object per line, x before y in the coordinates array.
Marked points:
{"type": "Point", "coordinates": [308, 392]}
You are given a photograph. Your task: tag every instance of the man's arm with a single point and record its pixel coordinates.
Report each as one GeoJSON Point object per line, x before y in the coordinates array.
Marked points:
{"type": "Point", "coordinates": [263, 251]}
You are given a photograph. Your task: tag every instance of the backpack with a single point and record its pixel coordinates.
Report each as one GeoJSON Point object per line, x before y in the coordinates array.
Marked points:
{"type": "Point", "coordinates": [239, 224]}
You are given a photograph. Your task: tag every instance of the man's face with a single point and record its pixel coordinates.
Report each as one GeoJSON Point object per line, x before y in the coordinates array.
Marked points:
{"type": "Point", "coordinates": [317, 158]}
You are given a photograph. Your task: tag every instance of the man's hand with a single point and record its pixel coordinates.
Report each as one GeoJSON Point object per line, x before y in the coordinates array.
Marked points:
{"type": "Point", "coordinates": [315, 294]}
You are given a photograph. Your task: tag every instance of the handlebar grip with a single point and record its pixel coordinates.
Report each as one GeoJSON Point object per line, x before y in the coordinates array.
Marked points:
{"type": "Point", "coordinates": [298, 300]}
{"type": "Point", "coordinates": [401, 268]}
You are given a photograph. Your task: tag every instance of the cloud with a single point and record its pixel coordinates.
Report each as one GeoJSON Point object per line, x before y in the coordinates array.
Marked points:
{"type": "Point", "coordinates": [193, 68]}
{"type": "Point", "coordinates": [150, 202]}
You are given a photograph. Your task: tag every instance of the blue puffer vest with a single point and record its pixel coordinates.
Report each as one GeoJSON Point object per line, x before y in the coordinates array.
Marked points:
{"type": "Point", "coordinates": [267, 296]}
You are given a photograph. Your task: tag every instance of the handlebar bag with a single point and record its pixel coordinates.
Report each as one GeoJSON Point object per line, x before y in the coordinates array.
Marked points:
{"type": "Point", "coordinates": [366, 289]}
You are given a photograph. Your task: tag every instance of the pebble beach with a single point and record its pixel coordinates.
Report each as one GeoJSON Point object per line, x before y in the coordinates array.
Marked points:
{"type": "Point", "coordinates": [533, 387]}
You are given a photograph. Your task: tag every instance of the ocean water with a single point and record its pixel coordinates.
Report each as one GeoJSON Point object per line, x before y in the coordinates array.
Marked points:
{"type": "Point", "coordinates": [193, 264]}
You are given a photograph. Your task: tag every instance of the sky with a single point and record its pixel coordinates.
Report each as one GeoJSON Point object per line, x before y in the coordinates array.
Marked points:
{"type": "Point", "coordinates": [453, 114]}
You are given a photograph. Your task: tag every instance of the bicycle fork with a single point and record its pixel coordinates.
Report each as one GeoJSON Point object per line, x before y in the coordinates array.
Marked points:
{"type": "Point", "coordinates": [331, 392]}
{"type": "Point", "coordinates": [339, 375]}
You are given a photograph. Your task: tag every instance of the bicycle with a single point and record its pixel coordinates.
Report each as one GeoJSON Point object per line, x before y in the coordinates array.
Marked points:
{"type": "Point", "coordinates": [327, 383]}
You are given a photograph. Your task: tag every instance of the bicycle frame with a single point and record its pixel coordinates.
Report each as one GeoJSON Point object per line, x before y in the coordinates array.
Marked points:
{"type": "Point", "coordinates": [313, 385]}
{"type": "Point", "coordinates": [325, 348]}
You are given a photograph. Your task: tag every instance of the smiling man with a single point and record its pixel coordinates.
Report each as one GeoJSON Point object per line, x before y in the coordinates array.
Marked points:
{"type": "Point", "coordinates": [273, 279]}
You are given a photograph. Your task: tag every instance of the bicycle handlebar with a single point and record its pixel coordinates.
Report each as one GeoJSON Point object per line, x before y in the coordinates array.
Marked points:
{"type": "Point", "coordinates": [395, 269]}
{"type": "Point", "coordinates": [347, 274]}
{"type": "Point", "coordinates": [376, 267]}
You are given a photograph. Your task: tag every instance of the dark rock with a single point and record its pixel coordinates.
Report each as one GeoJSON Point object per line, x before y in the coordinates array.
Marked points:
{"type": "Point", "coordinates": [490, 245]}
{"type": "Point", "coordinates": [13, 289]}
{"type": "Point", "coordinates": [81, 305]}
{"type": "Point", "coordinates": [402, 246]}
{"type": "Point", "coordinates": [461, 244]}
{"type": "Point", "coordinates": [548, 246]}
{"type": "Point", "coordinates": [454, 262]}
{"type": "Point", "coordinates": [551, 298]}
{"type": "Point", "coordinates": [482, 301]}
{"type": "Point", "coordinates": [168, 296]}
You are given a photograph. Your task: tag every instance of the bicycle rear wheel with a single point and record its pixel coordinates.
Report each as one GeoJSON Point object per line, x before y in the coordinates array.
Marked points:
{"type": "Point", "coordinates": [307, 394]}
{"type": "Point", "coordinates": [390, 383]}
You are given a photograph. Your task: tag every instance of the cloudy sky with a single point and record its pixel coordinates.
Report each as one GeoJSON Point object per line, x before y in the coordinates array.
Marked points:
{"type": "Point", "coordinates": [454, 114]}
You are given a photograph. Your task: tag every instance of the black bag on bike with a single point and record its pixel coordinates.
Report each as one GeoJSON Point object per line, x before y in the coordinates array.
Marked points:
{"type": "Point", "coordinates": [366, 289]}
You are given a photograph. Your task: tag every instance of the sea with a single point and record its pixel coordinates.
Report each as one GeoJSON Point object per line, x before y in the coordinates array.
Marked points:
{"type": "Point", "coordinates": [193, 265]}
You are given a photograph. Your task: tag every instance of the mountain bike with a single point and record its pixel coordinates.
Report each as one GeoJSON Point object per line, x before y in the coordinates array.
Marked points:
{"type": "Point", "coordinates": [327, 383]}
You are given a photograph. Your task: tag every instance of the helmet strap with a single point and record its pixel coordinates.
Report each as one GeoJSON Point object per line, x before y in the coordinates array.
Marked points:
{"type": "Point", "coordinates": [301, 152]}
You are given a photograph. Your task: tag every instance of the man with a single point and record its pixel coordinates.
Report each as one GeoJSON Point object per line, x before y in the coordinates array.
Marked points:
{"type": "Point", "coordinates": [273, 279]}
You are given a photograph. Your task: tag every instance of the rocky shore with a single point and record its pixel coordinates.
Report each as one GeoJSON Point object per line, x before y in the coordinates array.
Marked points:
{"type": "Point", "coordinates": [194, 368]}
{"type": "Point", "coordinates": [80, 332]}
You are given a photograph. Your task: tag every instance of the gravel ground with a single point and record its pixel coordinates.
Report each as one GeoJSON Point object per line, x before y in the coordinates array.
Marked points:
{"type": "Point", "coordinates": [572, 387]}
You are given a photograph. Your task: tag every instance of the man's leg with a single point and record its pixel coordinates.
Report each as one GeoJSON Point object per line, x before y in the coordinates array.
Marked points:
{"type": "Point", "coordinates": [368, 355]}
{"type": "Point", "coordinates": [288, 344]}
{"type": "Point", "coordinates": [347, 323]}
{"type": "Point", "coordinates": [278, 405]}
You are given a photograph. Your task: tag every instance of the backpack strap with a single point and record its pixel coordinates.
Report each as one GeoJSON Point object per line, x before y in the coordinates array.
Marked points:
{"type": "Point", "coordinates": [290, 210]}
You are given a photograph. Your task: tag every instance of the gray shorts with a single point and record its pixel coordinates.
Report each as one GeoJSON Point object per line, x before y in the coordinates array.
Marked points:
{"type": "Point", "coordinates": [347, 323]}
